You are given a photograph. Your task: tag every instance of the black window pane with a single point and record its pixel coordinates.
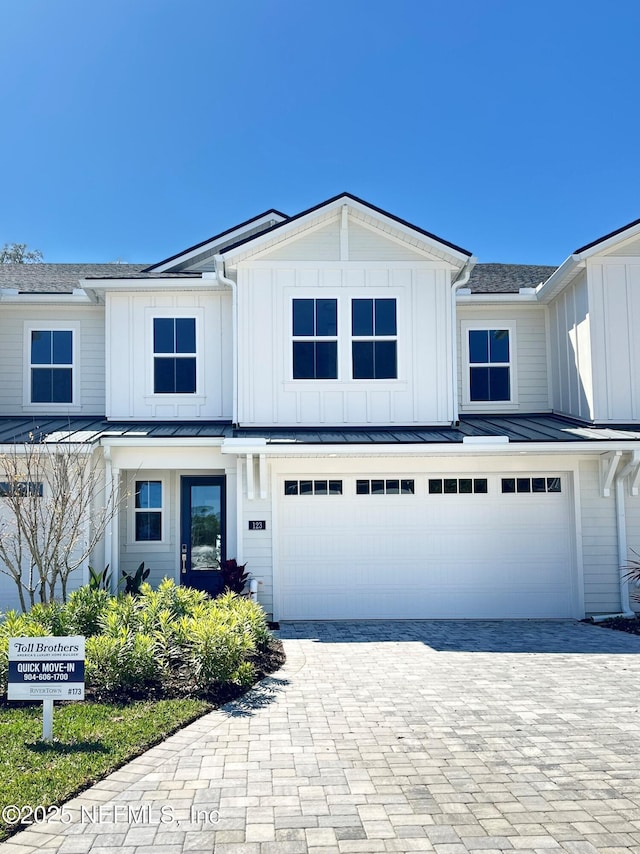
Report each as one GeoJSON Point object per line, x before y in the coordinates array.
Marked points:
{"type": "Point", "coordinates": [185, 335]}
{"type": "Point", "coordinates": [465, 485]}
{"type": "Point", "coordinates": [499, 345]}
{"type": "Point", "coordinates": [326, 317]}
{"type": "Point", "coordinates": [523, 484]}
{"type": "Point", "coordinates": [320, 487]}
{"type": "Point", "coordinates": [362, 360]}
{"type": "Point", "coordinates": [306, 487]}
{"type": "Point", "coordinates": [435, 487]}
{"type": "Point", "coordinates": [377, 487]}
{"type": "Point", "coordinates": [362, 317]}
{"type": "Point", "coordinates": [478, 346]}
{"type": "Point", "coordinates": [499, 386]}
{"type": "Point", "coordinates": [303, 360]}
{"type": "Point", "coordinates": [164, 376]}
{"type": "Point", "coordinates": [393, 487]}
{"type": "Point", "coordinates": [326, 359]}
{"type": "Point", "coordinates": [480, 485]}
{"type": "Point", "coordinates": [163, 335]}
{"type": "Point", "coordinates": [385, 360]}
{"type": "Point", "coordinates": [335, 487]}
{"type": "Point", "coordinates": [148, 526]}
{"type": "Point", "coordinates": [450, 485]}
{"type": "Point", "coordinates": [479, 383]}
{"type": "Point", "coordinates": [148, 494]}
{"type": "Point", "coordinates": [291, 487]}
{"type": "Point", "coordinates": [362, 487]}
{"type": "Point", "coordinates": [303, 317]}
{"type": "Point", "coordinates": [41, 385]}
{"type": "Point", "coordinates": [40, 348]}
{"type": "Point", "coordinates": [62, 348]}
{"type": "Point", "coordinates": [61, 385]}
{"type": "Point", "coordinates": [508, 484]}
{"type": "Point", "coordinates": [553, 484]}
{"type": "Point", "coordinates": [385, 320]}
{"type": "Point", "coordinates": [538, 484]}
{"type": "Point", "coordinates": [407, 487]}
{"type": "Point", "coordinates": [185, 376]}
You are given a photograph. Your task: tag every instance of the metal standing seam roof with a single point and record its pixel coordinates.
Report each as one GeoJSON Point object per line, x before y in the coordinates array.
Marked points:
{"type": "Point", "coordinates": [517, 428]}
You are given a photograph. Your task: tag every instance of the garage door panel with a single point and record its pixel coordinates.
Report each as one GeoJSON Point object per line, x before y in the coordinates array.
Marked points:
{"type": "Point", "coordinates": [421, 556]}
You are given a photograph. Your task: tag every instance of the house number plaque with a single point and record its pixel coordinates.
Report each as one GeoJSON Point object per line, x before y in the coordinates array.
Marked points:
{"type": "Point", "coordinates": [257, 526]}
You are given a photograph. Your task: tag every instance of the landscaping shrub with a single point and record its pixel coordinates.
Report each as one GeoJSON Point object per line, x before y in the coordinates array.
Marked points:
{"type": "Point", "coordinates": [122, 664]}
{"type": "Point", "coordinates": [174, 639]}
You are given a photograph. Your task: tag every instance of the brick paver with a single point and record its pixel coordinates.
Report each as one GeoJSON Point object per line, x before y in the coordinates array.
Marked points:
{"type": "Point", "coordinates": [444, 737]}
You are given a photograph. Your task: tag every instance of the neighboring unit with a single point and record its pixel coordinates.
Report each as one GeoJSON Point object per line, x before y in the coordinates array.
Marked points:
{"type": "Point", "coordinates": [379, 426]}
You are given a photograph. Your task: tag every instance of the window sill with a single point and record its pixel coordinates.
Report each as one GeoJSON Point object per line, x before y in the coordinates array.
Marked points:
{"type": "Point", "coordinates": [50, 407]}
{"type": "Point", "coordinates": [345, 385]}
{"type": "Point", "coordinates": [178, 397]}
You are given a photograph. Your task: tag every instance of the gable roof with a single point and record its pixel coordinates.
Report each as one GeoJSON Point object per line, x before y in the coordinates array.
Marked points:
{"type": "Point", "coordinates": [348, 196]}
{"type": "Point", "coordinates": [212, 245]}
{"type": "Point", "coordinates": [606, 237]}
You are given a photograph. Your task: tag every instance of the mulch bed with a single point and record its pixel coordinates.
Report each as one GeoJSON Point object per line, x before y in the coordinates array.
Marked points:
{"type": "Point", "coordinates": [631, 625]}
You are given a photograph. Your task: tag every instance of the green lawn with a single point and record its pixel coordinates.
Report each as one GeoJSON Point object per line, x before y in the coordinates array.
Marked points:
{"type": "Point", "coordinates": [90, 740]}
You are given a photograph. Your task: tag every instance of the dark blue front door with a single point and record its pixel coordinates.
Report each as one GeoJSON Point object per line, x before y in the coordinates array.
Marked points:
{"type": "Point", "coordinates": [202, 532]}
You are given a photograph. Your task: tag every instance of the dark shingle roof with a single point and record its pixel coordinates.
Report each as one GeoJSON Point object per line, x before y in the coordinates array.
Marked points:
{"type": "Point", "coordinates": [507, 278]}
{"type": "Point", "coordinates": [58, 278]}
{"type": "Point", "coordinates": [63, 278]}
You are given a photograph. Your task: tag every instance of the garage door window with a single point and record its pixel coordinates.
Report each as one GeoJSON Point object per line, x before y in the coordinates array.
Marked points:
{"type": "Point", "coordinates": [313, 487]}
{"type": "Point", "coordinates": [512, 485]}
{"type": "Point", "coordinates": [385, 487]}
{"type": "Point", "coordinates": [457, 486]}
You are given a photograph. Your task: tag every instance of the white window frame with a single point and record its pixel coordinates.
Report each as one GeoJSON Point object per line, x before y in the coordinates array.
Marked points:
{"type": "Point", "coordinates": [176, 312]}
{"type": "Point", "coordinates": [165, 520]}
{"type": "Point", "coordinates": [355, 338]}
{"type": "Point", "coordinates": [484, 405]}
{"type": "Point", "coordinates": [51, 326]}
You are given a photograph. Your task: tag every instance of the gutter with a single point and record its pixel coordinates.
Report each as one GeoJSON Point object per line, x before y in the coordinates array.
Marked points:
{"type": "Point", "coordinates": [218, 261]}
{"type": "Point", "coordinates": [463, 278]}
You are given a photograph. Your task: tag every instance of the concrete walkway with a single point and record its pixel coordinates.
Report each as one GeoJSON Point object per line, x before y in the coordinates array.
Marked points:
{"type": "Point", "coordinates": [437, 736]}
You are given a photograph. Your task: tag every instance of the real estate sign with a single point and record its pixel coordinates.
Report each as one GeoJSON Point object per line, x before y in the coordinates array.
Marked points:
{"type": "Point", "coordinates": [46, 668]}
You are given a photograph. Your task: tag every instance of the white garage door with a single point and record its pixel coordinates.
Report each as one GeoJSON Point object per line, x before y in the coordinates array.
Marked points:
{"type": "Point", "coordinates": [429, 546]}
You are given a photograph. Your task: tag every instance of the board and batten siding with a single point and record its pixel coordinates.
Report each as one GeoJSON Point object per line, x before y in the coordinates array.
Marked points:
{"type": "Point", "coordinates": [600, 557]}
{"type": "Point", "coordinates": [571, 351]}
{"type": "Point", "coordinates": [267, 393]}
{"type": "Point", "coordinates": [129, 322]}
{"type": "Point", "coordinates": [529, 357]}
{"type": "Point", "coordinates": [256, 549]}
{"type": "Point", "coordinates": [89, 350]}
{"type": "Point", "coordinates": [614, 303]}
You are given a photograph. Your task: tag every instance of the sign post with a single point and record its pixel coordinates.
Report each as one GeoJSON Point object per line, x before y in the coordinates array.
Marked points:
{"type": "Point", "coordinates": [47, 669]}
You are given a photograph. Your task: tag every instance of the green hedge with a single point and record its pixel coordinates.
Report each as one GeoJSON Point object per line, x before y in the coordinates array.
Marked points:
{"type": "Point", "coordinates": [173, 640]}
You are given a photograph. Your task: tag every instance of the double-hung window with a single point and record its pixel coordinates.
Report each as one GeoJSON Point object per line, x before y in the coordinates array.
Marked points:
{"type": "Point", "coordinates": [489, 365]}
{"type": "Point", "coordinates": [374, 333]}
{"type": "Point", "coordinates": [51, 365]}
{"type": "Point", "coordinates": [174, 355]}
{"type": "Point", "coordinates": [315, 339]}
{"type": "Point", "coordinates": [148, 511]}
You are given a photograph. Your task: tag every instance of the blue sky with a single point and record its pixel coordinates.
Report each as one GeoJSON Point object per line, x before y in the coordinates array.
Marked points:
{"type": "Point", "coordinates": [132, 129]}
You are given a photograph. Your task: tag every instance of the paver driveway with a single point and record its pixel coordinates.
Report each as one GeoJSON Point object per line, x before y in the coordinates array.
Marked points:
{"type": "Point", "coordinates": [434, 736]}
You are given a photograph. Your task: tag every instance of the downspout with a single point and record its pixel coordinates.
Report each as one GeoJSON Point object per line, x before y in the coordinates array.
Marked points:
{"type": "Point", "coordinates": [218, 261]}
{"type": "Point", "coordinates": [621, 525]}
{"type": "Point", "coordinates": [461, 281]}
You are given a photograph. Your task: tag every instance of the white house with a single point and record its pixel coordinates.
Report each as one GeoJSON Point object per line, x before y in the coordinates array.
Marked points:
{"type": "Point", "coordinates": [379, 426]}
